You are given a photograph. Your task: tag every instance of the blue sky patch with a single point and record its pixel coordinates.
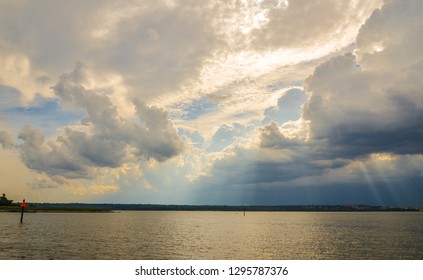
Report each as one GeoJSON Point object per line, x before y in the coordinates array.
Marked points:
{"type": "Point", "coordinates": [198, 108]}
{"type": "Point", "coordinates": [43, 113]}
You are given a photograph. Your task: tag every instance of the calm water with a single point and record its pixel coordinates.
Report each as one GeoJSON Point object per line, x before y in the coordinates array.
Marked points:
{"type": "Point", "coordinates": [212, 235]}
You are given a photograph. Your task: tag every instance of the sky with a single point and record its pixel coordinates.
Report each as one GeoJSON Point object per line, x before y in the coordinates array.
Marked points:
{"type": "Point", "coordinates": [237, 102]}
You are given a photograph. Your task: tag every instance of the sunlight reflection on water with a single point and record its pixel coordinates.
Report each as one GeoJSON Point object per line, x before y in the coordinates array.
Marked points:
{"type": "Point", "coordinates": [212, 235]}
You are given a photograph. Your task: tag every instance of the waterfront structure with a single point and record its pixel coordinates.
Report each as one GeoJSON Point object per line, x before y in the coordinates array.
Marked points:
{"type": "Point", "coordinates": [4, 201]}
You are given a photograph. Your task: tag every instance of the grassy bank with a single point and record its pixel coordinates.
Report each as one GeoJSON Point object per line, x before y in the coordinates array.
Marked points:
{"type": "Point", "coordinates": [35, 209]}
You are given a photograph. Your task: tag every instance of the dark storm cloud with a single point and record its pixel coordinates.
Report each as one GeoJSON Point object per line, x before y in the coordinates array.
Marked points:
{"type": "Point", "coordinates": [364, 122]}
{"type": "Point", "coordinates": [355, 112]}
{"type": "Point", "coordinates": [377, 107]}
{"type": "Point", "coordinates": [272, 137]}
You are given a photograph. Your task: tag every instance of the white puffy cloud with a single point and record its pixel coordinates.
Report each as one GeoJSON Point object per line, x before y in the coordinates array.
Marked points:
{"type": "Point", "coordinates": [227, 135]}
{"type": "Point", "coordinates": [304, 24]}
{"type": "Point", "coordinates": [103, 139]}
{"type": "Point", "coordinates": [391, 38]}
{"type": "Point", "coordinates": [168, 50]}
{"type": "Point", "coordinates": [272, 137]}
{"type": "Point", "coordinates": [154, 46]}
{"type": "Point", "coordinates": [16, 72]}
{"type": "Point", "coordinates": [161, 47]}
{"type": "Point", "coordinates": [6, 139]}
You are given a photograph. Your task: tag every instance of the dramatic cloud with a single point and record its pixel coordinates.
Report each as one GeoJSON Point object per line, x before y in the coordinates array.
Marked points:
{"type": "Point", "coordinates": [303, 23]}
{"type": "Point", "coordinates": [272, 137]}
{"type": "Point", "coordinates": [270, 102]}
{"type": "Point", "coordinates": [162, 48]}
{"type": "Point", "coordinates": [374, 104]}
{"type": "Point", "coordinates": [153, 46]}
{"type": "Point", "coordinates": [360, 136]}
{"type": "Point", "coordinates": [5, 139]}
{"type": "Point", "coordinates": [104, 139]}
{"type": "Point", "coordinates": [16, 72]}
{"type": "Point", "coordinates": [227, 135]}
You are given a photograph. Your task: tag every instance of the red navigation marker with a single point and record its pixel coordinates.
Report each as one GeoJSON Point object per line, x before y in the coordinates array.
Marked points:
{"type": "Point", "coordinates": [23, 205]}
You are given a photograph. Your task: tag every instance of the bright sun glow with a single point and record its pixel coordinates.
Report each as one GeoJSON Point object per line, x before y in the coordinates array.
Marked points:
{"type": "Point", "coordinates": [384, 156]}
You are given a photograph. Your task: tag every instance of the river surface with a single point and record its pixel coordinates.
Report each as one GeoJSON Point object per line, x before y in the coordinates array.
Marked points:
{"type": "Point", "coordinates": [212, 235]}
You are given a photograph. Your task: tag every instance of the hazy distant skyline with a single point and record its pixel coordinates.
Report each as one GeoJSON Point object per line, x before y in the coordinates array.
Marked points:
{"type": "Point", "coordinates": [212, 102]}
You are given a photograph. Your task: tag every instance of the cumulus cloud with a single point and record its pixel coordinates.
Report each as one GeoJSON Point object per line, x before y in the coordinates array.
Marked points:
{"type": "Point", "coordinates": [272, 137]}
{"type": "Point", "coordinates": [16, 72]}
{"type": "Point", "coordinates": [376, 107]}
{"type": "Point", "coordinates": [163, 48]}
{"type": "Point", "coordinates": [355, 108]}
{"type": "Point", "coordinates": [154, 46]}
{"type": "Point", "coordinates": [355, 114]}
{"type": "Point", "coordinates": [216, 67]}
{"type": "Point", "coordinates": [362, 122]}
{"type": "Point", "coordinates": [103, 139]}
{"type": "Point", "coordinates": [302, 23]}
{"type": "Point", "coordinates": [227, 135]}
{"type": "Point", "coordinates": [257, 175]}
{"type": "Point", "coordinates": [42, 181]}
{"type": "Point", "coordinates": [170, 44]}
{"type": "Point", "coordinates": [6, 139]}
{"type": "Point", "coordinates": [391, 37]}
{"type": "Point", "coordinates": [49, 157]}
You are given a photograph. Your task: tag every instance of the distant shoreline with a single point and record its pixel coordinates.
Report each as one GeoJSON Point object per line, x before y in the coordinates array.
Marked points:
{"type": "Point", "coordinates": [17, 209]}
{"type": "Point", "coordinates": [105, 207]}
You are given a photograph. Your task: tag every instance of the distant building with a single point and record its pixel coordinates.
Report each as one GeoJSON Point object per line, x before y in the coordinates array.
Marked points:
{"type": "Point", "coordinates": [4, 201]}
